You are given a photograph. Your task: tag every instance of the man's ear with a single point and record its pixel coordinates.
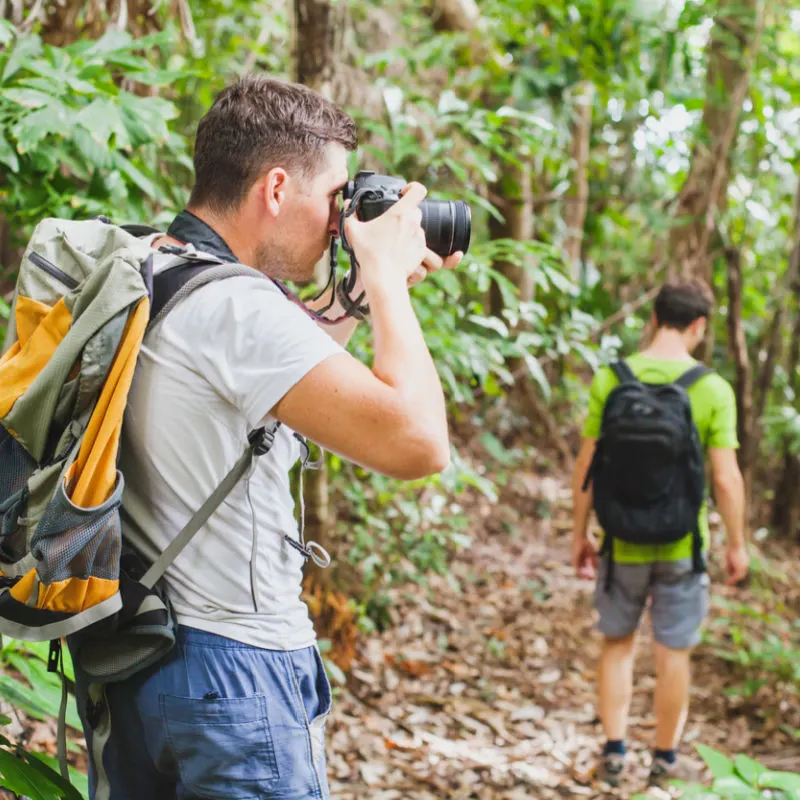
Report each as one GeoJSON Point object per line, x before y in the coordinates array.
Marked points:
{"type": "Point", "coordinates": [273, 186]}
{"type": "Point", "coordinates": [699, 328]}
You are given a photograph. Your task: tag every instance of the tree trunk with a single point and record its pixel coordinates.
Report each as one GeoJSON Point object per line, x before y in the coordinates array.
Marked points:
{"type": "Point", "coordinates": [578, 197]}
{"type": "Point", "coordinates": [737, 345]}
{"type": "Point", "coordinates": [318, 31]}
{"type": "Point", "coordinates": [513, 195]}
{"type": "Point", "coordinates": [786, 506]}
{"type": "Point", "coordinates": [734, 41]}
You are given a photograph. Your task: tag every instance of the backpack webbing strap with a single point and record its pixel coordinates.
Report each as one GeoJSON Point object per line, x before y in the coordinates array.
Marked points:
{"type": "Point", "coordinates": [698, 562]}
{"type": "Point", "coordinates": [260, 442]}
{"type": "Point", "coordinates": [692, 375]}
{"type": "Point", "coordinates": [623, 372]}
{"type": "Point", "coordinates": [168, 283]}
{"type": "Point", "coordinates": [168, 295]}
{"type": "Point", "coordinates": [607, 549]}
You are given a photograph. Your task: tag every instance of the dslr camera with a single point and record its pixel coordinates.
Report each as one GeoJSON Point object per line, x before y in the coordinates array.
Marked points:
{"type": "Point", "coordinates": [447, 223]}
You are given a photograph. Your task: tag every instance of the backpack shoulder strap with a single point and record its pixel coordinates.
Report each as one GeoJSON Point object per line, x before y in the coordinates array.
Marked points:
{"type": "Point", "coordinates": [623, 372]}
{"type": "Point", "coordinates": [692, 375]}
{"type": "Point", "coordinates": [259, 443]}
{"type": "Point", "coordinates": [172, 285]}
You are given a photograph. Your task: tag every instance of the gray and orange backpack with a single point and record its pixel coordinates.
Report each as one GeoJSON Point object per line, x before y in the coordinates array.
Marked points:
{"type": "Point", "coordinates": [85, 295]}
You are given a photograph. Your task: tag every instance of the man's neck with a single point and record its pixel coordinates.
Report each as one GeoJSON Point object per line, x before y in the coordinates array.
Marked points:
{"type": "Point", "coordinates": [668, 345]}
{"type": "Point", "coordinates": [222, 226]}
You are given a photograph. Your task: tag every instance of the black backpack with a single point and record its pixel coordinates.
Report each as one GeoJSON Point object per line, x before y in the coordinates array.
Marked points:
{"type": "Point", "coordinates": [648, 471]}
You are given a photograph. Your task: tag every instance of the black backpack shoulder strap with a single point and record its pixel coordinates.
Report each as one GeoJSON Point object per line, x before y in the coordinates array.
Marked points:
{"type": "Point", "coordinates": [168, 283]}
{"type": "Point", "coordinates": [623, 372]}
{"type": "Point", "coordinates": [692, 375]}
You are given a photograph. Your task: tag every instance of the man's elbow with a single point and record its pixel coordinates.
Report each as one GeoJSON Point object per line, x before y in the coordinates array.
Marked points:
{"type": "Point", "coordinates": [423, 455]}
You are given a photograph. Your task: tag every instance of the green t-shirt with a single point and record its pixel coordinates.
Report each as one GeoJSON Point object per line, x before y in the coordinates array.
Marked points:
{"type": "Point", "coordinates": [714, 412]}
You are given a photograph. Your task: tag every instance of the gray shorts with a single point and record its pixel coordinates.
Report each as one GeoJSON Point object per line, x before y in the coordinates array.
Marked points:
{"type": "Point", "coordinates": [678, 601]}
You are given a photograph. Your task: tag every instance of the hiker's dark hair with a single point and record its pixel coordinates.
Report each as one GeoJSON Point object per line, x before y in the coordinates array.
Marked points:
{"type": "Point", "coordinates": [256, 124]}
{"type": "Point", "coordinates": [681, 301]}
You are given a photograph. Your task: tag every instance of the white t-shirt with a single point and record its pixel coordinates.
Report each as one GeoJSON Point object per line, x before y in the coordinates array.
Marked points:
{"type": "Point", "coordinates": [207, 375]}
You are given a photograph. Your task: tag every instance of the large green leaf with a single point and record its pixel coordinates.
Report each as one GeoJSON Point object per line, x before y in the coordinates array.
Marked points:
{"type": "Point", "coordinates": [733, 786]}
{"type": "Point", "coordinates": [25, 49]}
{"type": "Point", "coordinates": [719, 764]}
{"type": "Point", "coordinates": [46, 686]}
{"type": "Point", "coordinates": [8, 154]}
{"type": "Point", "coordinates": [29, 781]}
{"type": "Point", "coordinates": [748, 769]}
{"type": "Point", "coordinates": [29, 98]}
{"type": "Point", "coordinates": [24, 698]}
{"type": "Point", "coordinates": [787, 782]}
{"type": "Point", "coordinates": [78, 786]}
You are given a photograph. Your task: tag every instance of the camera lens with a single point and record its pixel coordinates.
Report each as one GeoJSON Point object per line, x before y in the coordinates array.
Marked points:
{"type": "Point", "coordinates": [447, 225]}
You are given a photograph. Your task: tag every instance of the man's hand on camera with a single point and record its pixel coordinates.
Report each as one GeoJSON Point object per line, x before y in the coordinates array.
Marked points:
{"type": "Point", "coordinates": [392, 247]}
{"type": "Point", "coordinates": [433, 263]}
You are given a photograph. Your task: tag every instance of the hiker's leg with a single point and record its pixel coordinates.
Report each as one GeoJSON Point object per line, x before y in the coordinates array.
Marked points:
{"type": "Point", "coordinates": [615, 685]}
{"type": "Point", "coordinates": [118, 742]}
{"type": "Point", "coordinates": [671, 695]}
{"type": "Point", "coordinates": [620, 607]}
{"type": "Point", "coordinates": [678, 609]}
{"type": "Point", "coordinates": [245, 722]}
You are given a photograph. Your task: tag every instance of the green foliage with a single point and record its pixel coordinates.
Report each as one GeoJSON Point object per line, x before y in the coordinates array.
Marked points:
{"type": "Point", "coordinates": [34, 775]}
{"type": "Point", "coordinates": [740, 777]}
{"type": "Point", "coordinates": [75, 144]}
{"type": "Point", "coordinates": [762, 646]}
{"type": "Point", "coordinates": [40, 695]}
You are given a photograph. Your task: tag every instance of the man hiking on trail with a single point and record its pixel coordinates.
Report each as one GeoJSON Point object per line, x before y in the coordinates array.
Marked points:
{"type": "Point", "coordinates": [653, 420]}
{"type": "Point", "coordinates": [236, 709]}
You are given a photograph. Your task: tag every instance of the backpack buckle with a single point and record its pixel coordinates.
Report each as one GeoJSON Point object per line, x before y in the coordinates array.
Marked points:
{"type": "Point", "coordinates": [172, 250]}
{"type": "Point", "coordinates": [261, 440]}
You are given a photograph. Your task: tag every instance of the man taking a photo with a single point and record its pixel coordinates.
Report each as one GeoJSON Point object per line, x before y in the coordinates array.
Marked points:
{"type": "Point", "coordinates": [237, 708]}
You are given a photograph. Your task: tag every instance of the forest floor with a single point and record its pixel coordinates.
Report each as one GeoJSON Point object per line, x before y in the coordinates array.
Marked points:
{"type": "Point", "coordinates": [484, 686]}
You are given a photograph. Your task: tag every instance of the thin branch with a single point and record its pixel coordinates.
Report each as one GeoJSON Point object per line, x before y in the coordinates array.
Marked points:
{"type": "Point", "coordinates": [121, 21]}
{"type": "Point", "coordinates": [33, 15]}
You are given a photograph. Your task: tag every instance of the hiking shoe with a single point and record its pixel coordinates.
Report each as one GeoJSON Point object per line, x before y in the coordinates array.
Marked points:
{"type": "Point", "coordinates": [610, 768]}
{"type": "Point", "coordinates": [682, 769]}
{"type": "Point", "coordinates": [662, 772]}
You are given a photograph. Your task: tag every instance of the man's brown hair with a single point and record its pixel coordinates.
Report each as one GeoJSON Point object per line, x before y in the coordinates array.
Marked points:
{"type": "Point", "coordinates": [681, 301]}
{"type": "Point", "coordinates": [256, 124]}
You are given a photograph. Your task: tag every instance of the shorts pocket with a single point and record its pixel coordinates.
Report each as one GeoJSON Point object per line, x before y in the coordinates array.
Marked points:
{"type": "Point", "coordinates": [316, 726]}
{"type": "Point", "coordinates": [223, 746]}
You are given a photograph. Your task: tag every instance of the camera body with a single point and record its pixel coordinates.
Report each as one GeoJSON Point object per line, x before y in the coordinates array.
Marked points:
{"type": "Point", "coordinates": [447, 223]}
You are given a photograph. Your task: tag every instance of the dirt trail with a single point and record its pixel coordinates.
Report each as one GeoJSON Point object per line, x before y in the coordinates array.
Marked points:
{"type": "Point", "coordinates": [487, 691]}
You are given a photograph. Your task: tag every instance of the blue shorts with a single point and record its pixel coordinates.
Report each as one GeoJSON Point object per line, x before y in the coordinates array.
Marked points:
{"type": "Point", "coordinates": [216, 719]}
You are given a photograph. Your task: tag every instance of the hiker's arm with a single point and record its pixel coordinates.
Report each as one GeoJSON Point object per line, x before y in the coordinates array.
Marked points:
{"type": "Point", "coordinates": [391, 418]}
{"type": "Point", "coordinates": [582, 500]}
{"type": "Point", "coordinates": [730, 499]}
{"type": "Point", "coordinates": [584, 547]}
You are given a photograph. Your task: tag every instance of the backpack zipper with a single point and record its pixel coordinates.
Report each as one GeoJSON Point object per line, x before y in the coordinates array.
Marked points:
{"type": "Point", "coordinates": [51, 269]}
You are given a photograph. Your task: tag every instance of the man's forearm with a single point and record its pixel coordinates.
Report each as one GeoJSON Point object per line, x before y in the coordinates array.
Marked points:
{"type": "Point", "coordinates": [402, 359]}
{"type": "Point", "coordinates": [729, 495]}
{"type": "Point", "coordinates": [581, 507]}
